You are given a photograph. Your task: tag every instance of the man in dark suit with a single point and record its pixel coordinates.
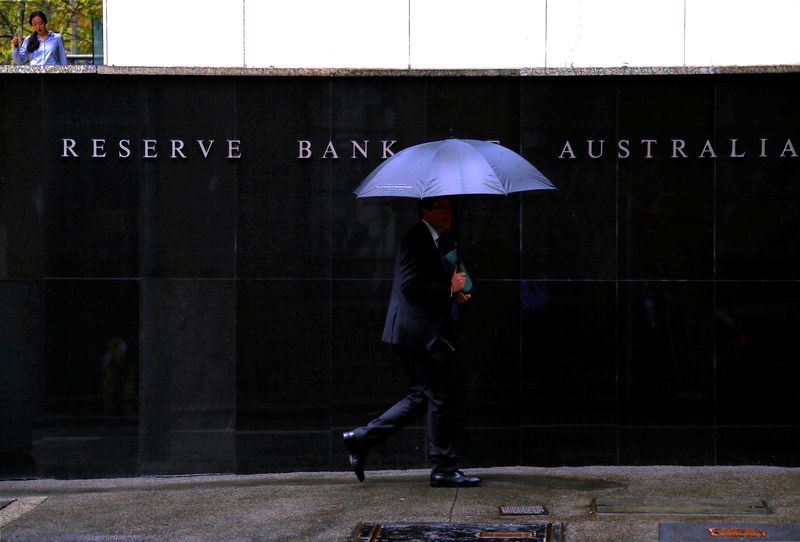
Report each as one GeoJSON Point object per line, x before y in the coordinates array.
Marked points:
{"type": "Point", "coordinates": [419, 325]}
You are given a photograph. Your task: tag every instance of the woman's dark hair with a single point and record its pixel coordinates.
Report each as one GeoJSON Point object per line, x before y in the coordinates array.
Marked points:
{"type": "Point", "coordinates": [33, 40]}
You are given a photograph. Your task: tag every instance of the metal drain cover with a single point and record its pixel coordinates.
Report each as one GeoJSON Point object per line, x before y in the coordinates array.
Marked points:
{"type": "Point", "coordinates": [526, 510]}
{"type": "Point", "coordinates": [430, 532]}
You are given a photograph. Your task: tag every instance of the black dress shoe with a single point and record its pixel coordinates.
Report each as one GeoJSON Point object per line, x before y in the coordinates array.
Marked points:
{"type": "Point", "coordinates": [454, 479]}
{"type": "Point", "coordinates": [357, 454]}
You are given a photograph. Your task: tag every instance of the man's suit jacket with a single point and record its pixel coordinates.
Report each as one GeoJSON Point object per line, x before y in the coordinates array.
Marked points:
{"type": "Point", "coordinates": [420, 307]}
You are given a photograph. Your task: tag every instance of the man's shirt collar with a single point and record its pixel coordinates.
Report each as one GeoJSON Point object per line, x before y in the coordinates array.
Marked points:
{"type": "Point", "coordinates": [433, 232]}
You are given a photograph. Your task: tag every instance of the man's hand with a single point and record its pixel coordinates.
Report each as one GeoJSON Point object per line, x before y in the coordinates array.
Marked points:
{"type": "Point", "coordinates": [458, 281]}
{"type": "Point", "coordinates": [462, 298]}
{"type": "Point", "coordinates": [15, 41]}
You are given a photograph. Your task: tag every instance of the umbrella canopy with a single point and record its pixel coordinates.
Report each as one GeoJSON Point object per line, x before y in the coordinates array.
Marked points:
{"type": "Point", "coordinates": [453, 167]}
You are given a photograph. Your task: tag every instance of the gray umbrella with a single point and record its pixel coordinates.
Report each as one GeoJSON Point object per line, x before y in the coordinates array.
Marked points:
{"type": "Point", "coordinates": [453, 167]}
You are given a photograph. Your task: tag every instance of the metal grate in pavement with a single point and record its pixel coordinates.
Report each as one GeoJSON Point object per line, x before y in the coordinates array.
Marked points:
{"type": "Point", "coordinates": [452, 532]}
{"type": "Point", "coordinates": [525, 510]}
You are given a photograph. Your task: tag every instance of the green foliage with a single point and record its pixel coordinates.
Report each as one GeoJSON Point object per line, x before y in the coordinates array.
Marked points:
{"type": "Point", "coordinates": [70, 18]}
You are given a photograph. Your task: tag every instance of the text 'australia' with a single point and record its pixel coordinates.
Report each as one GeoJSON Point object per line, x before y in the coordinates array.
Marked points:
{"type": "Point", "coordinates": [679, 148]}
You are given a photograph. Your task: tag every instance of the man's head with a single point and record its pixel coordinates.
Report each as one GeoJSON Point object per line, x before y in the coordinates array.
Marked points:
{"type": "Point", "coordinates": [437, 212]}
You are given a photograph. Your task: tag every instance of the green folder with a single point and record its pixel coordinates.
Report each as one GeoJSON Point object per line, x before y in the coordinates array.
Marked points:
{"type": "Point", "coordinates": [451, 259]}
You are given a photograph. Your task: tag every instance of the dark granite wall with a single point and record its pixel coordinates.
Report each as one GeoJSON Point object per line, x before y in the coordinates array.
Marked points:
{"type": "Point", "coordinates": [216, 314]}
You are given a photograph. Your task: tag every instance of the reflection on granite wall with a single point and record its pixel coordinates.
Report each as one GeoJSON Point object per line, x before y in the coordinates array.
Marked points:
{"type": "Point", "coordinates": [188, 285]}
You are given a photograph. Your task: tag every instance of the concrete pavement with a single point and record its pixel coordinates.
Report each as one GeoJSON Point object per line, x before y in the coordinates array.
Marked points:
{"type": "Point", "coordinates": [328, 506]}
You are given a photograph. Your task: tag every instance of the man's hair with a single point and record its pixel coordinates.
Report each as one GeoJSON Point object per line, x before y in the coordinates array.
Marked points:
{"type": "Point", "coordinates": [427, 203]}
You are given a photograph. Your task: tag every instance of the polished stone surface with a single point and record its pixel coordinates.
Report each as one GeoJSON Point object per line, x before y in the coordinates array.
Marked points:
{"type": "Point", "coordinates": [643, 313]}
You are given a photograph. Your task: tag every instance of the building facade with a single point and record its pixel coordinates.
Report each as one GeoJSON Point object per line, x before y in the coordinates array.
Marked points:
{"type": "Point", "coordinates": [187, 283]}
{"type": "Point", "coordinates": [190, 286]}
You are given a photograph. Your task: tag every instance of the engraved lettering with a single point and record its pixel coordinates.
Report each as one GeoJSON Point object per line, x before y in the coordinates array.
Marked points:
{"type": "Point", "coordinates": [234, 151]}
{"type": "Point", "coordinates": [361, 150]}
{"type": "Point", "coordinates": [205, 150]}
{"type": "Point", "coordinates": [330, 149]}
{"type": "Point", "coordinates": [624, 148]}
{"type": "Point", "coordinates": [649, 143]}
{"type": "Point", "coordinates": [733, 150]}
{"type": "Point", "coordinates": [567, 149]}
{"type": "Point", "coordinates": [707, 148]}
{"type": "Point", "coordinates": [177, 148]}
{"type": "Point", "coordinates": [387, 149]}
{"type": "Point", "coordinates": [124, 148]}
{"type": "Point", "coordinates": [677, 147]}
{"type": "Point", "coordinates": [591, 145]}
{"type": "Point", "coordinates": [98, 148]}
{"type": "Point", "coordinates": [303, 149]}
{"type": "Point", "coordinates": [69, 148]}
{"type": "Point", "coordinates": [789, 147]}
{"type": "Point", "coordinates": [149, 148]}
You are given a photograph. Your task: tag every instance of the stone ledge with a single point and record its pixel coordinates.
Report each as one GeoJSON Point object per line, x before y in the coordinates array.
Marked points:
{"type": "Point", "coordinates": [370, 72]}
{"type": "Point", "coordinates": [6, 68]}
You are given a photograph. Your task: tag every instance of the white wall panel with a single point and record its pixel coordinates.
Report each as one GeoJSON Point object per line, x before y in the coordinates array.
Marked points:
{"type": "Point", "coordinates": [174, 33]}
{"type": "Point", "coordinates": [477, 34]}
{"type": "Point", "coordinates": [327, 34]}
{"type": "Point", "coordinates": [614, 33]}
{"type": "Point", "coordinates": [742, 32]}
{"type": "Point", "coordinates": [450, 34]}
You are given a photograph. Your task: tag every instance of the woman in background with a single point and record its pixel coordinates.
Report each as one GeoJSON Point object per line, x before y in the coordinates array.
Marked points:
{"type": "Point", "coordinates": [42, 47]}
